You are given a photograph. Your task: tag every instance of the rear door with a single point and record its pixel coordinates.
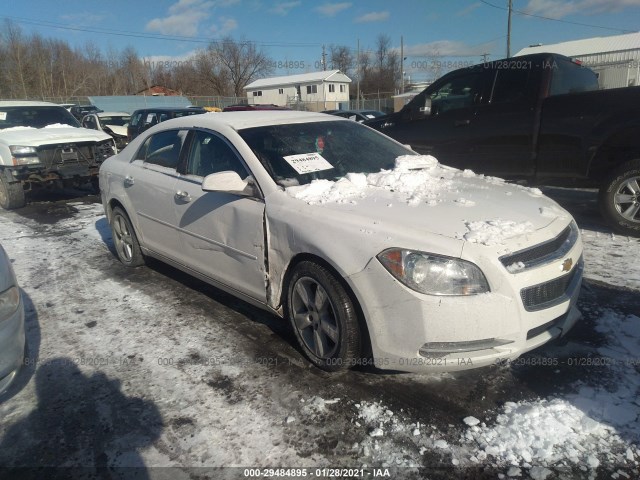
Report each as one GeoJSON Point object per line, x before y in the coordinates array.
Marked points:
{"type": "Point", "coordinates": [222, 234]}
{"type": "Point", "coordinates": [151, 186]}
{"type": "Point", "coordinates": [448, 131]}
{"type": "Point", "coordinates": [504, 128]}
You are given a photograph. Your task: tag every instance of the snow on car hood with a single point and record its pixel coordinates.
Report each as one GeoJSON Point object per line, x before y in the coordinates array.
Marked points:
{"type": "Point", "coordinates": [421, 194]}
{"type": "Point", "coordinates": [117, 129]}
{"type": "Point", "coordinates": [35, 137]}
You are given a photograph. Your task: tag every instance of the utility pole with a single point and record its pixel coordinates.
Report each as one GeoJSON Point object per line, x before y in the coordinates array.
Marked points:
{"type": "Point", "coordinates": [358, 73]}
{"type": "Point", "coordinates": [401, 64]}
{"type": "Point", "coordinates": [324, 61]}
{"type": "Point", "coordinates": [509, 29]}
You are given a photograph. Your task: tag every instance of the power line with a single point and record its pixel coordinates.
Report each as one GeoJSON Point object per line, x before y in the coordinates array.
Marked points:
{"type": "Point", "coordinates": [526, 14]}
{"type": "Point", "coordinates": [154, 36]}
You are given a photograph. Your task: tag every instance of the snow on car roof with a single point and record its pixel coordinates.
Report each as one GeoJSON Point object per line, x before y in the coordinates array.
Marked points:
{"type": "Point", "coordinates": [258, 118]}
{"type": "Point", "coordinates": [27, 103]}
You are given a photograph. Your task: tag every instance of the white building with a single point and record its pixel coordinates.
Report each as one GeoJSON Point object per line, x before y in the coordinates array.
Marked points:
{"type": "Point", "coordinates": [325, 89]}
{"type": "Point", "coordinates": [615, 59]}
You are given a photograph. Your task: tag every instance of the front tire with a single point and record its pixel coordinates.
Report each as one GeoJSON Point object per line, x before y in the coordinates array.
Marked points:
{"type": "Point", "coordinates": [12, 194]}
{"type": "Point", "coordinates": [125, 240]}
{"type": "Point", "coordinates": [323, 317]}
{"type": "Point", "coordinates": [619, 199]}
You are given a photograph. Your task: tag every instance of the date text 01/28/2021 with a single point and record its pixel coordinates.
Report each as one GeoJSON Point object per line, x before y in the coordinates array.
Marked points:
{"type": "Point", "coordinates": [316, 472]}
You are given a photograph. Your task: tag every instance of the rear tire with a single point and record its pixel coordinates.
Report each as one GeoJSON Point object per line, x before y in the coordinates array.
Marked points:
{"type": "Point", "coordinates": [323, 318]}
{"type": "Point", "coordinates": [125, 240]}
{"type": "Point", "coordinates": [619, 199]}
{"type": "Point", "coordinates": [11, 194]}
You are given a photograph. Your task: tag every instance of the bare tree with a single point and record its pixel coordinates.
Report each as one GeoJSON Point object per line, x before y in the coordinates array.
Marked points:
{"type": "Point", "coordinates": [242, 61]}
{"type": "Point", "coordinates": [341, 58]}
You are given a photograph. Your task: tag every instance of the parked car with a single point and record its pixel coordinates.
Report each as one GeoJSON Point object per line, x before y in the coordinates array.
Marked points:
{"type": "Point", "coordinates": [539, 118]}
{"type": "Point", "coordinates": [145, 118]}
{"type": "Point", "coordinates": [355, 239]}
{"type": "Point", "coordinates": [67, 106]}
{"type": "Point", "coordinates": [112, 123]}
{"type": "Point", "coordinates": [79, 111]}
{"type": "Point", "coordinates": [42, 144]}
{"type": "Point", "coordinates": [12, 336]}
{"type": "Point", "coordinates": [357, 115]}
{"type": "Point", "coordinates": [250, 108]}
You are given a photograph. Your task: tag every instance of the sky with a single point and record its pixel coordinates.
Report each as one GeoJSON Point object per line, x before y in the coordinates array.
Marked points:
{"type": "Point", "coordinates": [293, 32]}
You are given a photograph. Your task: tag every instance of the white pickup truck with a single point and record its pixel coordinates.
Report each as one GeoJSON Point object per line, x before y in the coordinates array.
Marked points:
{"type": "Point", "coordinates": [42, 144]}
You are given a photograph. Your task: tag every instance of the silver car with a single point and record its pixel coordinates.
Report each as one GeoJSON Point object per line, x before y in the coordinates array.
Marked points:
{"type": "Point", "coordinates": [12, 337]}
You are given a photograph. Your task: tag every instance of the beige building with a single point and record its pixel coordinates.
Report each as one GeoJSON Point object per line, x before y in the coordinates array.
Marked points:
{"type": "Point", "coordinates": [321, 90]}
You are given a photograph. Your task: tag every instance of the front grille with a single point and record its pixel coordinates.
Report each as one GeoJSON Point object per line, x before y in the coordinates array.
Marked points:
{"type": "Point", "coordinates": [548, 294]}
{"type": "Point", "coordinates": [55, 156]}
{"type": "Point", "coordinates": [545, 252]}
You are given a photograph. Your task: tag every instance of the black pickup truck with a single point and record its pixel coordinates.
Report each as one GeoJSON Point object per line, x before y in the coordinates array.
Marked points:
{"type": "Point", "coordinates": [539, 118]}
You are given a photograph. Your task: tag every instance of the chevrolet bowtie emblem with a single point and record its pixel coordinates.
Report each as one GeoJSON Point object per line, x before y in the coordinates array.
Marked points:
{"type": "Point", "coordinates": [567, 264]}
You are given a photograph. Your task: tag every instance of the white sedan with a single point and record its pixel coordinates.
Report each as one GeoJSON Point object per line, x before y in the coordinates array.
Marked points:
{"type": "Point", "coordinates": [376, 255]}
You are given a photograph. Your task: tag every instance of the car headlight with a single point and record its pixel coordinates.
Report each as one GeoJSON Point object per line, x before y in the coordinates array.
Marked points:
{"type": "Point", "coordinates": [24, 155]}
{"type": "Point", "coordinates": [434, 274]}
{"type": "Point", "coordinates": [9, 302]}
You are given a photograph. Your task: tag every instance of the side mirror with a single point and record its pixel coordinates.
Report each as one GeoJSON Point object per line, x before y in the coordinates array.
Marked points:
{"type": "Point", "coordinates": [229, 182]}
{"type": "Point", "coordinates": [426, 110]}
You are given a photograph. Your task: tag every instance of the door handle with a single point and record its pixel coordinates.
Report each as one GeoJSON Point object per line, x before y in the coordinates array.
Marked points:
{"type": "Point", "coordinates": [182, 195]}
{"type": "Point", "coordinates": [461, 123]}
{"type": "Point", "coordinates": [128, 181]}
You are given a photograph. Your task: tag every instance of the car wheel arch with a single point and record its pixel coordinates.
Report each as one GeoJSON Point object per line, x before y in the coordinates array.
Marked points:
{"type": "Point", "coordinates": [309, 257]}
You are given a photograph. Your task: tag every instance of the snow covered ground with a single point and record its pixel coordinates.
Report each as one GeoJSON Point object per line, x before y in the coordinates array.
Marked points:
{"type": "Point", "coordinates": [153, 369]}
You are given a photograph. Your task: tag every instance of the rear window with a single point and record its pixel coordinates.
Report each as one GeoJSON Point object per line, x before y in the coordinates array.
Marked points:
{"type": "Point", "coordinates": [569, 77]}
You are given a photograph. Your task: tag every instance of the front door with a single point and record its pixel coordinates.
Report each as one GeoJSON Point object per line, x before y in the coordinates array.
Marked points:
{"type": "Point", "coordinates": [222, 234]}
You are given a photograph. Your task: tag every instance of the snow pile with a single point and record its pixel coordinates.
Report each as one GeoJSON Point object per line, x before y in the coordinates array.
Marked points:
{"type": "Point", "coordinates": [596, 425]}
{"type": "Point", "coordinates": [393, 442]}
{"type": "Point", "coordinates": [521, 435]}
{"type": "Point", "coordinates": [417, 178]}
{"type": "Point", "coordinates": [316, 405]}
{"type": "Point", "coordinates": [494, 232]}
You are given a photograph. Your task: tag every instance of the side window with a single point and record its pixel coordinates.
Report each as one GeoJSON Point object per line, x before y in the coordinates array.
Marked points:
{"type": "Point", "coordinates": [135, 120]}
{"type": "Point", "coordinates": [569, 77]}
{"type": "Point", "coordinates": [511, 85]}
{"type": "Point", "coordinates": [459, 92]}
{"type": "Point", "coordinates": [210, 154]}
{"type": "Point", "coordinates": [150, 120]}
{"type": "Point", "coordinates": [163, 148]}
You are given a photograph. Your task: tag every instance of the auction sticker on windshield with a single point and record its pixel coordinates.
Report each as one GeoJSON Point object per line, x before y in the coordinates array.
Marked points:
{"type": "Point", "coordinates": [308, 162]}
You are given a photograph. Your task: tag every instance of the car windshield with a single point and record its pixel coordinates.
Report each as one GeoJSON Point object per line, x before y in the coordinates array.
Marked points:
{"type": "Point", "coordinates": [119, 120]}
{"type": "Point", "coordinates": [296, 154]}
{"type": "Point", "coordinates": [372, 114]}
{"type": "Point", "coordinates": [36, 117]}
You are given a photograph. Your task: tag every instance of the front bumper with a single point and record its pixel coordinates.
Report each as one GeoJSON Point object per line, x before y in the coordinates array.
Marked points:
{"type": "Point", "coordinates": [12, 342]}
{"type": "Point", "coordinates": [414, 332]}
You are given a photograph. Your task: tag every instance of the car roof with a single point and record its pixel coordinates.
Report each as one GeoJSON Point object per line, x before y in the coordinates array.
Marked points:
{"type": "Point", "coordinates": [28, 103]}
{"type": "Point", "coordinates": [250, 119]}
{"type": "Point", "coordinates": [112, 114]}
{"type": "Point", "coordinates": [168, 109]}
